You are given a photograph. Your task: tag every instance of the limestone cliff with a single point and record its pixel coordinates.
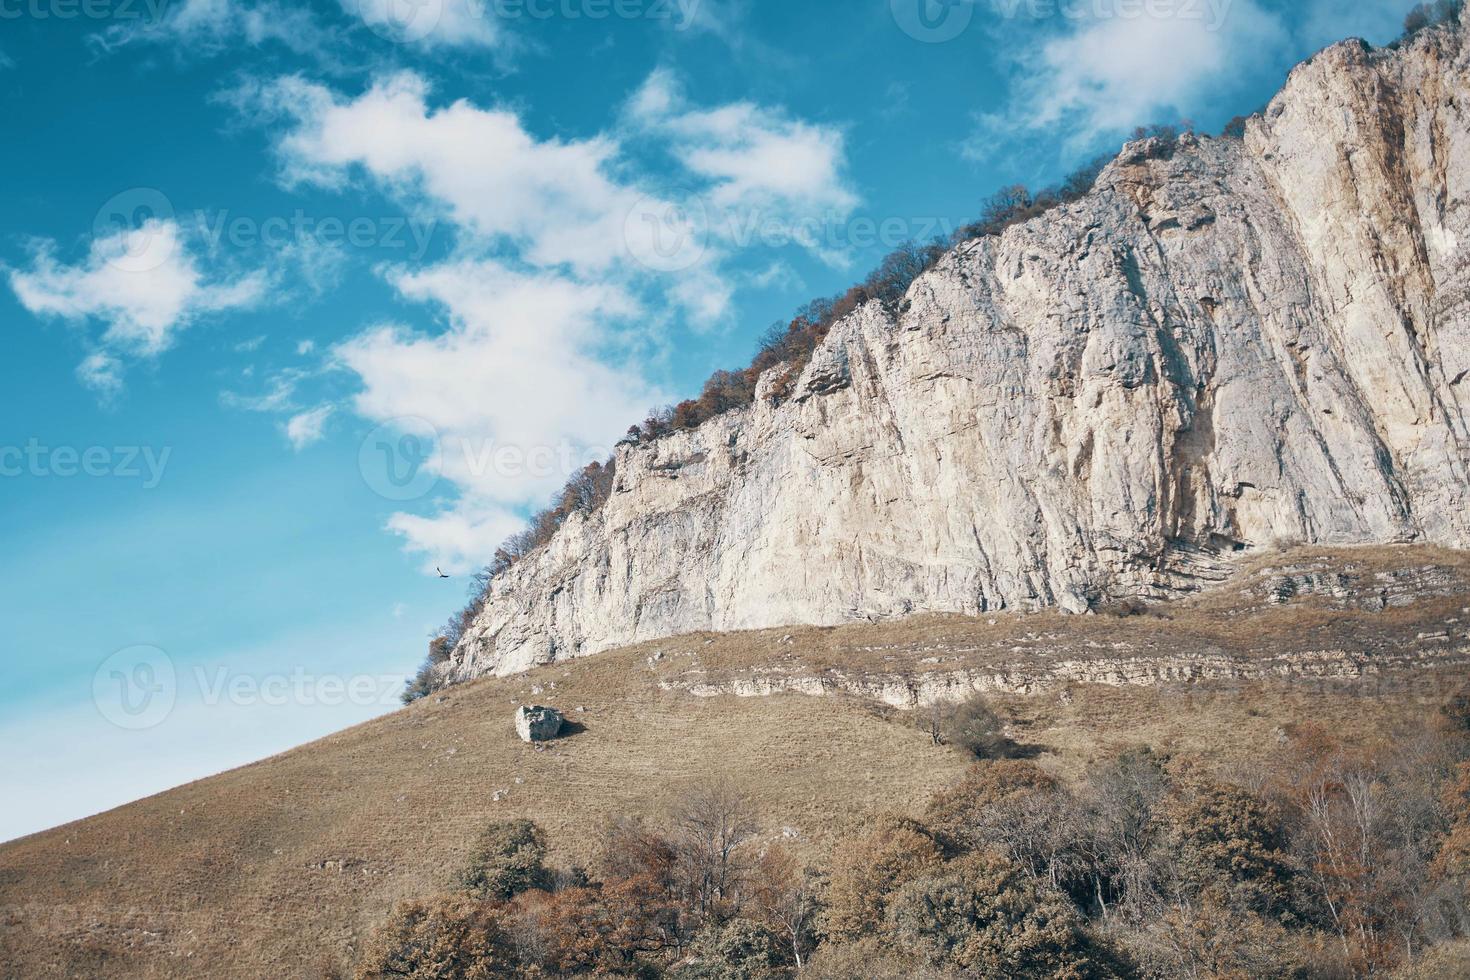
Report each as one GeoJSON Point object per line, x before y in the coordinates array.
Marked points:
{"type": "Point", "coordinates": [1228, 346]}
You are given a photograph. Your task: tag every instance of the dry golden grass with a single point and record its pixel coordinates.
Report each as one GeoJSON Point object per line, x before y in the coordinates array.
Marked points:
{"type": "Point", "coordinates": [279, 868]}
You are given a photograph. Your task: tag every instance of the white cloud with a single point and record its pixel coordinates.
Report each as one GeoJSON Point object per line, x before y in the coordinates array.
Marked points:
{"type": "Point", "coordinates": [536, 356]}
{"type": "Point", "coordinates": [309, 427]}
{"type": "Point", "coordinates": [320, 265]}
{"type": "Point", "coordinates": [279, 394]}
{"type": "Point", "coordinates": [209, 27]}
{"type": "Point", "coordinates": [305, 347]}
{"type": "Point", "coordinates": [459, 540]}
{"type": "Point", "coordinates": [144, 284]}
{"type": "Point", "coordinates": [102, 373]}
{"type": "Point", "coordinates": [578, 203]}
{"type": "Point", "coordinates": [754, 157]}
{"type": "Point", "coordinates": [1108, 75]}
{"type": "Point", "coordinates": [721, 18]}
{"type": "Point", "coordinates": [524, 364]}
{"type": "Point", "coordinates": [552, 199]}
{"type": "Point", "coordinates": [523, 388]}
{"type": "Point", "coordinates": [431, 23]}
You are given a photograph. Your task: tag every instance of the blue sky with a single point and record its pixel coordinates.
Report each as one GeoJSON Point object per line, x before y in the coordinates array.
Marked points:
{"type": "Point", "coordinates": [303, 302]}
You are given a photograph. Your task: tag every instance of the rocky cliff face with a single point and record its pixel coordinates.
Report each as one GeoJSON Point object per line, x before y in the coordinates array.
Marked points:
{"type": "Point", "coordinates": [1233, 346]}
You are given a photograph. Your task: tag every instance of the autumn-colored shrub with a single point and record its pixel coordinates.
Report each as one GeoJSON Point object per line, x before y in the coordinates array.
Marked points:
{"type": "Point", "coordinates": [986, 916]}
{"type": "Point", "coordinates": [444, 938]}
{"type": "Point", "coordinates": [741, 949]}
{"type": "Point", "coordinates": [977, 728]}
{"type": "Point", "coordinates": [507, 860]}
{"type": "Point", "coordinates": [870, 959]}
{"type": "Point", "coordinates": [866, 870]}
{"type": "Point", "coordinates": [1231, 845]}
{"type": "Point", "coordinates": [967, 812]}
{"type": "Point", "coordinates": [613, 928]}
{"type": "Point", "coordinates": [1340, 861]}
{"type": "Point", "coordinates": [787, 897]}
{"type": "Point", "coordinates": [1452, 861]}
{"type": "Point", "coordinates": [1210, 940]}
{"type": "Point", "coordinates": [1365, 826]}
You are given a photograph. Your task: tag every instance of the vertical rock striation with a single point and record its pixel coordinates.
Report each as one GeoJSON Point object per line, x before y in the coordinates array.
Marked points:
{"type": "Point", "coordinates": [1228, 345]}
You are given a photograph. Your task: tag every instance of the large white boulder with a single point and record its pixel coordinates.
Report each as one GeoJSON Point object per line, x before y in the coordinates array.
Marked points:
{"type": "Point", "coordinates": [537, 724]}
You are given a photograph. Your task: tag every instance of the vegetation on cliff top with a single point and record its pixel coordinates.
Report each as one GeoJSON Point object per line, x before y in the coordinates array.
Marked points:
{"type": "Point", "coordinates": [787, 346]}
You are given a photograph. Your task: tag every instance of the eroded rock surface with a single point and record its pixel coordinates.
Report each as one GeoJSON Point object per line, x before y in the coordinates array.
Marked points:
{"type": "Point", "coordinates": [1229, 346]}
{"type": "Point", "coordinates": [537, 724]}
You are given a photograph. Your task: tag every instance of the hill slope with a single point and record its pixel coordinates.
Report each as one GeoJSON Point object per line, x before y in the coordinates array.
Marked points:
{"type": "Point", "coordinates": [1229, 344]}
{"type": "Point", "coordinates": [272, 869]}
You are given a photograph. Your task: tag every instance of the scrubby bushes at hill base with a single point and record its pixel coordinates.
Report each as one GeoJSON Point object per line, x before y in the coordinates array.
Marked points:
{"type": "Point", "coordinates": [1326, 861]}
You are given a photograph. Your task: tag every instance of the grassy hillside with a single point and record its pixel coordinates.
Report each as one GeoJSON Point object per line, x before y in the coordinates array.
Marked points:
{"type": "Point", "coordinates": [282, 867]}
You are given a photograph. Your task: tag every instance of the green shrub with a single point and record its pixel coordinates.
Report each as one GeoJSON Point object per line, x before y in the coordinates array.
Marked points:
{"type": "Point", "coordinates": [739, 950]}
{"type": "Point", "coordinates": [986, 916]}
{"type": "Point", "coordinates": [508, 860]}
{"type": "Point", "coordinates": [1433, 14]}
{"type": "Point", "coordinates": [444, 938]}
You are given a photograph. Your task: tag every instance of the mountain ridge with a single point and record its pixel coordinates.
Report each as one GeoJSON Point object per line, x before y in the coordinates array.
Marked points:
{"type": "Point", "coordinates": [1227, 346]}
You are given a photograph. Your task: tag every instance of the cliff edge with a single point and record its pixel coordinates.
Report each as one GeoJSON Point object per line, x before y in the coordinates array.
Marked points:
{"type": "Point", "coordinates": [1230, 345]}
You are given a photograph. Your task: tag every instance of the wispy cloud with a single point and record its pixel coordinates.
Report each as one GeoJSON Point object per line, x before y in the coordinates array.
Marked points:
{"type": "Point", "coordinates": [210, 27]}
{"type": "Point", "coordinates": [309, 427]}
{"type": "Point", "coordinates": [1101, 76]}
{"type": "Point", "coordinates": [538, 356]}
{"type": "Point", "coordinates": [554, 200]}
{"type": "Point", "coordinates": [279, 394]}
{"type": "Point", "coordinates": [432, 24]}
{"type": "Point", "coordinates": [752, 156]}
{"type": "Point", "coordinates": [520, 392]}
{"type": "Point", "coordinates": [144, 284]}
